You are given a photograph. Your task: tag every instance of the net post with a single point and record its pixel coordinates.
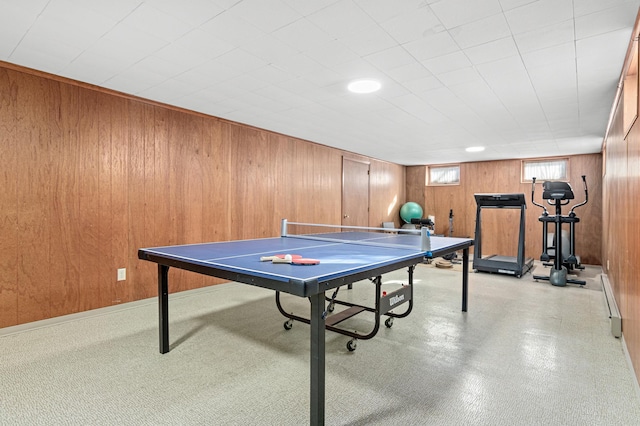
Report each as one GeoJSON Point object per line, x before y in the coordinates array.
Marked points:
{"type": "Point", "coordinates": [425, 239]}
{"type": "Point", "coordinates": [283, 228]}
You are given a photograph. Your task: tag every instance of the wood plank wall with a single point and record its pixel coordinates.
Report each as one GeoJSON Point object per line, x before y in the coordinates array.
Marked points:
{"type": "Point", "coordinates": [500, 227]}
{"type": "Point", "coordinates": [621, 191]}
{"type": "Point", "coordinates": [89, 176]}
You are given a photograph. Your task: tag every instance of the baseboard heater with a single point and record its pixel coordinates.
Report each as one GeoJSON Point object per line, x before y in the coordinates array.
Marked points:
{"type": "Point", "coordinates": [614, 313]}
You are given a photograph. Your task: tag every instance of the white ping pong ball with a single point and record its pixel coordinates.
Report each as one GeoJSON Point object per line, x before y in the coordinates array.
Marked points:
{"type": "Point", "coordinates": [287, 257]}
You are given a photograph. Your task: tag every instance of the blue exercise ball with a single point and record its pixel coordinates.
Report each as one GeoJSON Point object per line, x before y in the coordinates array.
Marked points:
{"type": "Point", "coordinates": [410, 211]}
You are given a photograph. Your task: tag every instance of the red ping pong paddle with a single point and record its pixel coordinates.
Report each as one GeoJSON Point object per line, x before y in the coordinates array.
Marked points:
{"type": "Point", "coordinates": [294, 259]}
{"type": "Point", "coordinates": [276, 257]}
{"type": "Point", "coordinates": [302, 261]}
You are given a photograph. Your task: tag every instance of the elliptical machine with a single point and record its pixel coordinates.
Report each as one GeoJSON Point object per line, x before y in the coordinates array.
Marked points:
{"type": "Point", "coordinates": [559, 194]}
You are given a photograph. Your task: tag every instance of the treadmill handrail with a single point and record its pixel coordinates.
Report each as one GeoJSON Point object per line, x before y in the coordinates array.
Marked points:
{"type": "Point", "coordinates": [500, 200]}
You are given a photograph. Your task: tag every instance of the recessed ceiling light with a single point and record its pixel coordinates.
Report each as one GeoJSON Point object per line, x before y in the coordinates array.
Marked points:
{"type": "Point", "coordinates": [475, 149]}
{"type": "Point", "coordinates": [364, 86]}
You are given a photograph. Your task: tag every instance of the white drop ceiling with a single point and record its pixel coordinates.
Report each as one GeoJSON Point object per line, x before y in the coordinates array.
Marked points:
{"type": "Point", "coordinates": [524, 78]}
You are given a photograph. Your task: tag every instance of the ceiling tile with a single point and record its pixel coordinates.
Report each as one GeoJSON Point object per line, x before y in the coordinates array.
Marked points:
{"type": "Point", "coordinates": [204, 44]}
{"type": "Point", "coordinates": [268, 16]}
{"type": "Point", "coordinates": [550, 55]}
{"type": "Point", "coordinates": [269, 48]}
{"type": "Point", "coordinates": [341, 19]}
{"type": "Point", "coordinates": [431, 46]}
{"type": "Point", "coordinates": [181, 58]}
{"type": "Point", "coordinates": [240, 61]}
{"type": "Point", "coordinates": [539, 14]}
{"type": "Point", "coordinates": [512, 4]}
{"type": "Point", "coordinates": [230, 28]}
{"type": "Point", "coordinates": [459, 76]}
{"type": "Point", "coordinates": [555, 80]}
{"type": "Point", "coordinates": [114, 9]}
{"type": "Point", "coordinates": [15, 22]}
{"type": "Point", "coordinates": [409, 72]}
{"type": "Point", "coordinates": [612, 19]}
{"type": "Point", "coordinates": [413, 25]}
{"type": "Point", "coordinates": [384, 10]}
{"type": "Point", "coordinates": [453, 13]}
{"type": "Point", "coordinates": [371, 40]}
{"type": "Point", "coordinates": [302, 35]}
{"type": "Point", "coordinates": [547, 36]}
{"type": "Point", "coordinates": [586, 7]}
{"type": "Point", "coordinates": [481, 31]}
{"type": "Point", "coordinates": [307, 7]}
{"type": "Point", "coordinates": [193, 12]}
{"type": "Point", "coordinates": [393, 57]}
{"type": "Point", "coordinates": [492, 51]}
{"type": "Point", "coordinates": [446, 63]}
{"type": "Point", "coordinates": [157, 23]}
{"type": "Point", "coordinates": [331, 53]}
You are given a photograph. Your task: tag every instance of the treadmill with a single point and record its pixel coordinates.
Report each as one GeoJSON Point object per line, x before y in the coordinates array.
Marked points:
{"type": "Point", "coordinates": [517, 266]}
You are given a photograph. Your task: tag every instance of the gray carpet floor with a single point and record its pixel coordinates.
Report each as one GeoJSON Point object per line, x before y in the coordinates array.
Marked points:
{"type": "Point", "coordinates": [526, 353]}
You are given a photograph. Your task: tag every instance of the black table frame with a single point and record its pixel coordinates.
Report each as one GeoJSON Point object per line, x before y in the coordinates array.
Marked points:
{"type": "Point", "coordinates": [313, 290]}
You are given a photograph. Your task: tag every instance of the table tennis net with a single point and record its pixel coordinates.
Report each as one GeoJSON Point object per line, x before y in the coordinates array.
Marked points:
{"type": "Point", "coordinates": [361, 235]}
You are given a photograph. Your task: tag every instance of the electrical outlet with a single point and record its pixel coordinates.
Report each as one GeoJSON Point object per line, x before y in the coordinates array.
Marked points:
{"type": "Point", "coordinates": [122, 274]}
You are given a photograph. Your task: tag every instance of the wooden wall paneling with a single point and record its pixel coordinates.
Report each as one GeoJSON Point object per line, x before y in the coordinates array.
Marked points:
{"type": "Point", "coordinates": [616, 172]}
{"type": "Point", "coordinates": [112, 174]}
{"type": "Point", "coordinates": [215, 195]}
{"type": "Point", "coordinates": [8, 199]}
{"type": "Point", "coordinates": [387, 192]}
{"type": "Point", "coordinates": [176, 201]}
{"type": "Point", "coordinates": [191, 135]}
{"type": "Point", "coordinates": [589, 229]}
{"type": "Point", "coordinates": [444, 199]}
{"type": "Point", "coordinates": [302, 179]}
{"type": "Point", "coordinates": [140, 132]}
{"type": "Point", "coordinates": [120, 196]}
{"type": "Point", "coordinates": [283, 192]}
{"type": "Point", "coordinates": [65, 219]}
{"type": "Point", "coordinates": [180, 230]}
{"type": "Point", "coordinates": [253, 182]}
{"type": "Point", "coordinates": [112, 209]}
{"type": "Point", "coordinates": [146, 274]}
{"type": "Point", "coordinates": [327, 183]}
{"type": "Point", "coordinates": [631, 325]}
{"type": "Point", "coordinates": [619, 243]}
{"type": "Point", "coordinates": [88, 248]}
{"type": "Point", "coordinates": [160, 234]}
{"type": "Point", "coordinates": [414, 188]}
{"type": "Point", "coordinates": [106, 266]}
{"type": "Point", "coordinates": [216, 173]}
{"type": "Point", "coordinates": [34, 198]}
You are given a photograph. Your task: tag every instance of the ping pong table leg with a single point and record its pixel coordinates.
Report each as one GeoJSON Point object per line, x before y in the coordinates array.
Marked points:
{"type": "Point", "coordinates": [163, 307]}
{"type": "Point", "coordinates": [465, 278]}
{"type": "Point", "coordinates": [317, 359]}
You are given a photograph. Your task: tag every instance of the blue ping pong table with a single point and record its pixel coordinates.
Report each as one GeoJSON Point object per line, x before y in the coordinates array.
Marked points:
{"type": "Point", "coordinates": [345, 258]}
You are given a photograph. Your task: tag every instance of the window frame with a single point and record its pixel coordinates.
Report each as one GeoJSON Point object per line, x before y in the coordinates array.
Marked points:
{"type": "Point", "coordinates": [442, 166]}
{"type": "Point", "coordinates": [566, 178]}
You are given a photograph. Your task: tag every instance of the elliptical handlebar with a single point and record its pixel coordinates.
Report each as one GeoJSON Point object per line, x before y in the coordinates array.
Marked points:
{"type": "Point", "coordinates": [533, 190]}
{"type": "Point", "coordinates": [586, 196]}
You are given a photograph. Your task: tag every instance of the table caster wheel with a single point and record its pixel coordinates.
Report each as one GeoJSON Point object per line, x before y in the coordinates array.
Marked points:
{"type": "Point", "coordinates": [388, 322]}
{"type": "Point", "coordinates": [288, 325]}
{"type": "Point", "coordinates": [352, 344]}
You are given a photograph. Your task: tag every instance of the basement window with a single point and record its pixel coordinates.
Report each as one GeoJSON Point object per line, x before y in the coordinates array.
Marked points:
{"type": "Point", "coordinates": [443, 175]}
{"type": "Point", "coordinates": [545, 169]}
